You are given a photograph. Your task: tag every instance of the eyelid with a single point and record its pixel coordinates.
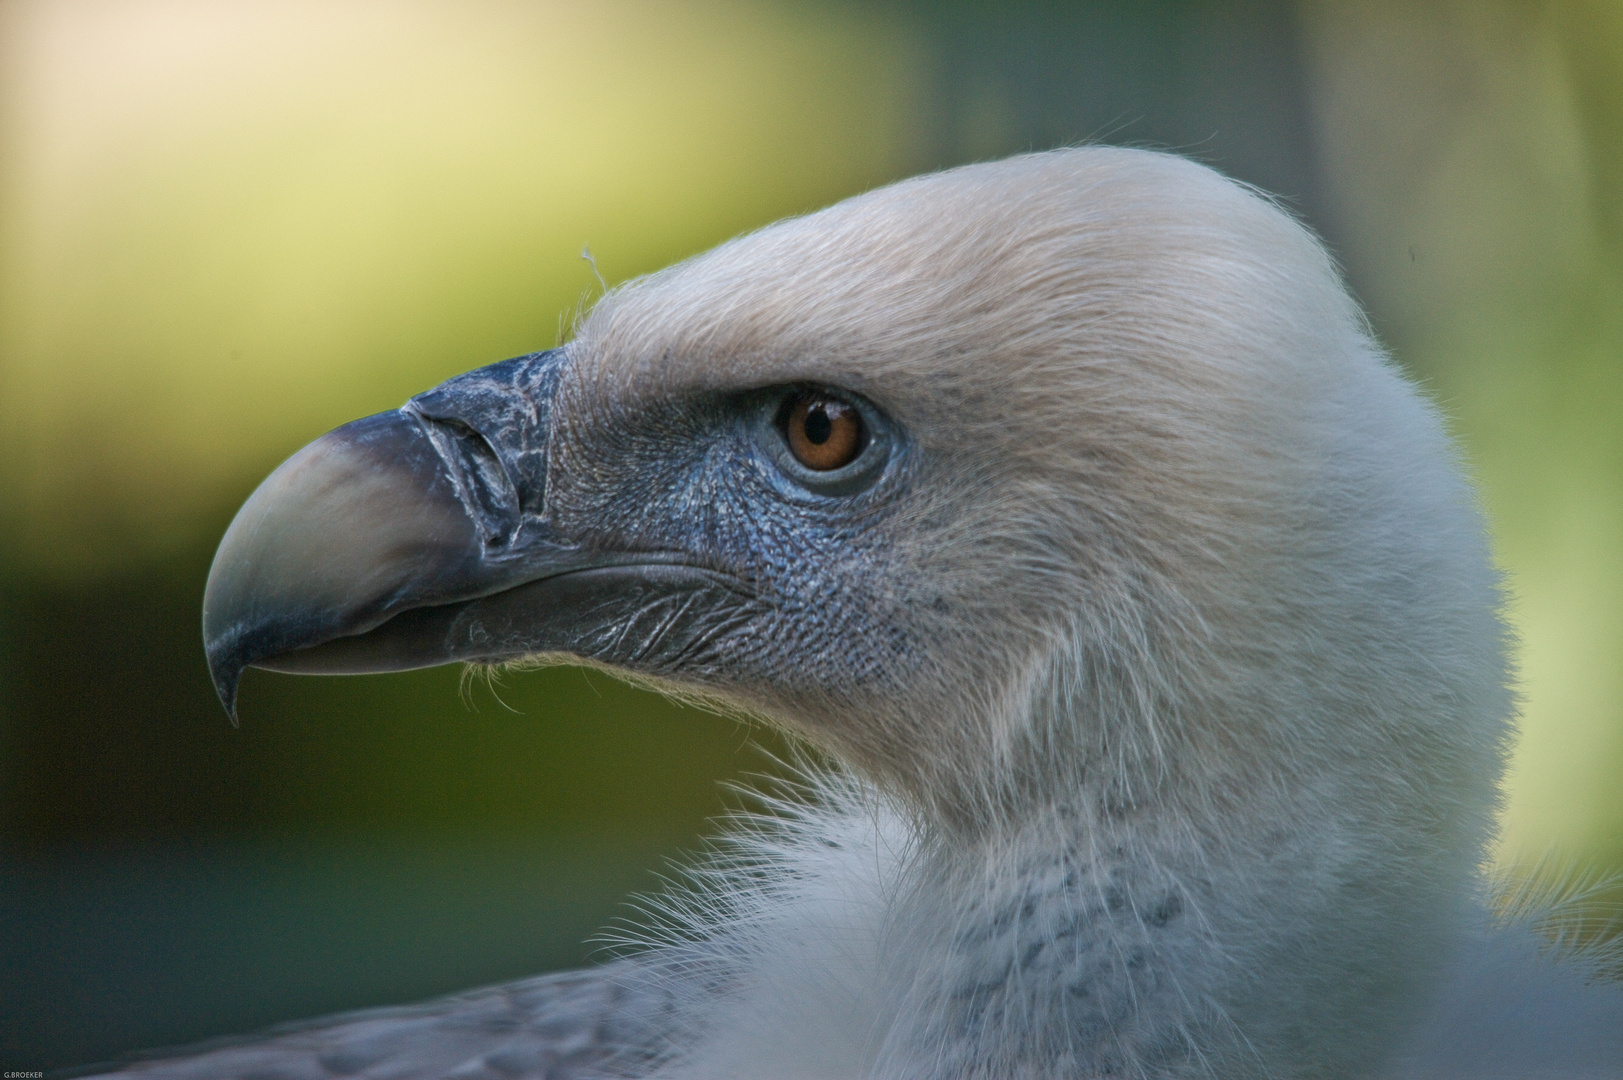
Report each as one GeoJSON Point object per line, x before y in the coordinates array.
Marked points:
{"type": "Point", "coordinates": [879, 446]}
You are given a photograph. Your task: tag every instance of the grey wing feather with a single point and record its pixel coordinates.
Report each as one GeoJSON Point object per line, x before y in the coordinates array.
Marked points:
{"type": "Point", "coordinates": [566, 1026]}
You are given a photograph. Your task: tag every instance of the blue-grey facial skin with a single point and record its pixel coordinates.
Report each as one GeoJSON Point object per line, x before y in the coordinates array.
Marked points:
{"type": "Point", "coordinates": [678, 540]}
{"type": "Point", "coordinates": [710, 476]}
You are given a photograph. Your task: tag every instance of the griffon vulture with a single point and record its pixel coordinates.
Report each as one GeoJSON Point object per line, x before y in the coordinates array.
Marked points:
{"type": "Point", "coordinates": [1066, 503]}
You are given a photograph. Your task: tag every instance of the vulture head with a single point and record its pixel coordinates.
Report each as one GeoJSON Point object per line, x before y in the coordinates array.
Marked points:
{"type": "Point", "coordinates": [1067, 503]}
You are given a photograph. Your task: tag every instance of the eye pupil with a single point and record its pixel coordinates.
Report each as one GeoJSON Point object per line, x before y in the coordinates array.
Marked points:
{"type": "Point", "coordinates": [823, 432]}
{"type": "Point", "coordinates": [818, 425]}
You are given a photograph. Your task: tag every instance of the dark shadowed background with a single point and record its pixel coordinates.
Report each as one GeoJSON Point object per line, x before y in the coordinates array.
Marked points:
{"type": "Point", "coordinates": [226, 227]}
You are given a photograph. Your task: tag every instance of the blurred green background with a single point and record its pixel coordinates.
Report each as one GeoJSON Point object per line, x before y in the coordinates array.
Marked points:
{"type": "Point", "coordinates": [226, 227]}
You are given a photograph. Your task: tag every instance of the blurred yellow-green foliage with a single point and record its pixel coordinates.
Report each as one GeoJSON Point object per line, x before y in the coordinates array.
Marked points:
{"type": "Point", "coordinates": [226, 227]}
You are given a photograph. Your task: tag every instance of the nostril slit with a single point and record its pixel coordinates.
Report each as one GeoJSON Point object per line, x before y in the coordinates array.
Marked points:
{"type": "Point", "coordinates": [481, 480]}
{"type": "Point", "coordinates": [475, 443]}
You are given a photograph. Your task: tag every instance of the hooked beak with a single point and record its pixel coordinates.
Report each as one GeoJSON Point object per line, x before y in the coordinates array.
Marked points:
{"type": "Point", "coordinates": [420, 537]}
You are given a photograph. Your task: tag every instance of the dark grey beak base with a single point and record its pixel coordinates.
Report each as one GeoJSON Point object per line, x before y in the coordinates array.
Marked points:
{"type": "Point", "coordinates": [420, 537]}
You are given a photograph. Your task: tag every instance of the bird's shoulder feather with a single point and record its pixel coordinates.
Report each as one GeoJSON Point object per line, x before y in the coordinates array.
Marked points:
{"type": "Point", "coordinates": [561, 1026]}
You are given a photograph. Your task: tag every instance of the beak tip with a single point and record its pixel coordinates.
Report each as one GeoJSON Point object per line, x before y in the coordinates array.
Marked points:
{"type": "Point", "coordinates": [225, 672]}
{"type": "Point", "coordinates": [228, 698]}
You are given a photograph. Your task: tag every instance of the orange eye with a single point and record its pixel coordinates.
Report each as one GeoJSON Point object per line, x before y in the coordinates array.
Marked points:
{"type": "Point", "coordinates": [824, 433]}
